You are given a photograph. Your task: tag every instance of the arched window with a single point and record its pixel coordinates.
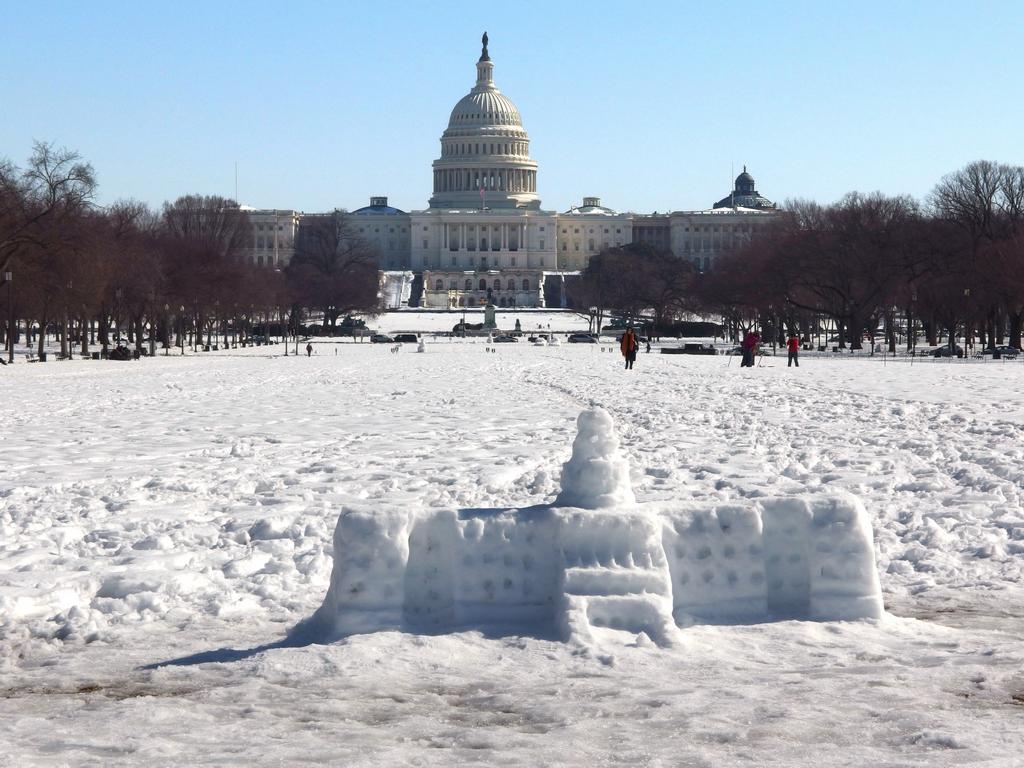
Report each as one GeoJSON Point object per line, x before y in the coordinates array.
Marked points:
{"type": "Point", "coordinates": [439, 285]}
{"type": "Point", "coordinates": [469, 285]}
{"type": "Point", "coordinates": [526, 284]}
{"type": "Point", "coordinates": [483, 284]}
{"type": "Point", "coordinates": [454, 285]}
{"type": "Point", "coordinates": [497, 284]}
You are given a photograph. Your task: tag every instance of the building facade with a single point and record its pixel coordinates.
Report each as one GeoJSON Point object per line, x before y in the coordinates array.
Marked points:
{"type": "Point", "coordinates": [484, 236]}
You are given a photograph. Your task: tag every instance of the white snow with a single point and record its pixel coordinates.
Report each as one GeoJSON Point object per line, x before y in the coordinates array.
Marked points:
{"type": "Point", "coordinates": [165, 524]}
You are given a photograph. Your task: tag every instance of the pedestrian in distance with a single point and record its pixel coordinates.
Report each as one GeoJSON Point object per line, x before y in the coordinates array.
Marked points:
{"type": "Point", "coordinates": [629, 346]}
{"type": "Point", "coordinates": [793, 347]}
{"type": "Point", "coordinates": [309, 350]}
{"type": "Point", "coordinates": [648, 350]}
{"type": "Point", "coordinates": [749, 348]}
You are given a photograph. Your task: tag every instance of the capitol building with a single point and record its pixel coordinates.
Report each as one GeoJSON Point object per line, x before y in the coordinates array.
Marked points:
{"type": "Point", "coordinates": [484, 235]}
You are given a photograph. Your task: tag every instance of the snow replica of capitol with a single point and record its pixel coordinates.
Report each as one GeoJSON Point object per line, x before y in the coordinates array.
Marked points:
{"type": "Point", "coordinates": [595, 565]}
{"type": "Point", "coordinates": [484, 236]}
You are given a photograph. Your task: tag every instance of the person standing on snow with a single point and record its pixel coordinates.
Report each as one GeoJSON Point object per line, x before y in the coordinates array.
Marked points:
{"type": "Point", "coordinates": [309, 350]}
{"type": "Point", "coordinates": [629, 345]}
{"type": "Point", "coordinates": [793, 347]}
{"type": "Point", "coordinates": [749, 348]}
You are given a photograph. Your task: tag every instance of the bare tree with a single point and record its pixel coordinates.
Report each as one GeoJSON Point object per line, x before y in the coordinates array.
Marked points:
{"type": "Point", "coordinates": [333, 270]}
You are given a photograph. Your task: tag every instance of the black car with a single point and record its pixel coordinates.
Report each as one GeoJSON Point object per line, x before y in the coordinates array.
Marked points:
{"type": "Point", "coordinates": [582, 338]}
{"type": "Point", "coordinates": [381, 338]}
{"type": "Point", "coordinates": [406, 338]}
{"type": "Point", "coordinates": [1002, 351]}
{"type": "Point", "coordinates": [945, 351]}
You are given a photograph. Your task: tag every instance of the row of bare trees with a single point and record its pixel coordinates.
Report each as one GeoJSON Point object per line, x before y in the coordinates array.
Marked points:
{"type": "Point", "coordinates": [865, 265]}
{"type": "Point", "coordinates": [100, 276]}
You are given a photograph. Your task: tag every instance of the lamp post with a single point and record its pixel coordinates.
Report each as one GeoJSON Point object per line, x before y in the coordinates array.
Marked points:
{"type": "Point", "coordinates": [66, 346]}
{"type": "Point", "coordinates": [181, 327]}
{"type": "Point", "coordinates": [167, 329]}
{"type": "Point", "coordinates": [152, 323]}
{"type": "Point", "coordinates": [9, 279]}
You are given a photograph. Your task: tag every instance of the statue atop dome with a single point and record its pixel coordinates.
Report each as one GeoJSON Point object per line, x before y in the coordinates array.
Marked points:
{"type": "Point", "coordinates": [483, 55]}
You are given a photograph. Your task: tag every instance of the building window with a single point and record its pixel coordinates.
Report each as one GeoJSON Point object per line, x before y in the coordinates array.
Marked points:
{"type": "Point", "coordinates": [425, 245]}
{"type": "Point", "coordinates": [469, 285]}
{"type": "Point", "coordinates": [590, 245]}
{"type": "Point", "coordinates": [565, 246]}
{"type": "Point", "coordinates": [526, 284]}
{"type": "Point", "coordinates": [542, 242]}
{"type": "Point", "coordinates": [512, 260]}
{"type": "Point", "coordinates": [483, 284]}
{"type": "Point", "coordinates": [439, 285]}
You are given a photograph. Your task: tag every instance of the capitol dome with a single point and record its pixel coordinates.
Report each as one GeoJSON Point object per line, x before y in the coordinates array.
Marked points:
{"type": "Point", "coordinates": [480, 108]}
{"type": "Point", "coordinates": [485, 161]}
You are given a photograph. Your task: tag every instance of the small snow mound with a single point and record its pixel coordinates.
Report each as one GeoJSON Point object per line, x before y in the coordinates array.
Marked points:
{"type": "Point", "coordinates": [271, 528]}
{"type": "Point", "coordinates": [596, 475]}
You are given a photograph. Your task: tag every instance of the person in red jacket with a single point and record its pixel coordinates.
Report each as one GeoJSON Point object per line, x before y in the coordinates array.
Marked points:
{"type": "Point", "coordinates": [629, 346]}
{"type": "Point", "coordinates": [793, 347]}
{"type": "Point", "coordinates": [749, 348]}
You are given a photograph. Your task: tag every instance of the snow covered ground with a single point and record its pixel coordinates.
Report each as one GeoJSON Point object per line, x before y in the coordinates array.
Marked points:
{"type": "Point", "coordinates": [164, 523]}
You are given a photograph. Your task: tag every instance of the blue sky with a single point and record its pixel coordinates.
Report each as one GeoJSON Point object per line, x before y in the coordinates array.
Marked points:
{"type": "Point", "coordinates": [650, 106]}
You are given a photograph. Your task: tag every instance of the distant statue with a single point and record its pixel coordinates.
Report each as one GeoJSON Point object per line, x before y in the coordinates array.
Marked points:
{"type": "Point", "coordinates": [484, 41]}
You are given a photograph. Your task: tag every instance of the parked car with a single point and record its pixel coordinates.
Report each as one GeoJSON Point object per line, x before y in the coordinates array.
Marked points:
{"type": "Point", "coordinates": [582, 338]}
{"type": "Point", "coordinates": [406, 338]}
{"type": "Point", "coordinates": [945, 351]}
{"type": "Point", "coordinates": [1003, 351]}
{"type": "Point", "coordinates": [504, 339]}
{"type": "Point", "coordinates": [381, 338]}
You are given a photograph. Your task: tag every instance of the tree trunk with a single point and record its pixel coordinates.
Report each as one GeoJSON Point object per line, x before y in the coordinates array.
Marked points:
{"type": "Point", "coordinates": [1015, 328]}
{"type": "Point", "coordinates": [64, 334]}
{"type": "Point", "coordinates": [42, 336]}
{"type": "Point", "coordinates": [86, 327]}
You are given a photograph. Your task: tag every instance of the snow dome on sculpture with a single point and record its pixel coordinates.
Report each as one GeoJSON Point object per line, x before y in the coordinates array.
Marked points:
{"type": "Point", "coordinates": [597, 566]}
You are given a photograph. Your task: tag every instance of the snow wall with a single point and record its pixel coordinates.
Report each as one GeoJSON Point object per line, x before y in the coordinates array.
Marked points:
{"type": "Point", "coordinates": [596, 560]}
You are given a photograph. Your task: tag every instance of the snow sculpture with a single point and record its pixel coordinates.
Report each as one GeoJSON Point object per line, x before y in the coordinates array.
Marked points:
{"type": "Point", "coordinates": [598, 566]}
{"type": "Point", "coordinates": [597, 475]}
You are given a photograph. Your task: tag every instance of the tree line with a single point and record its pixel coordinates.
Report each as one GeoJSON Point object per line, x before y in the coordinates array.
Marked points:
{"type": "Point", "coordinates": [125, 273]}
{"type": "Point", "coordinates": [867, 266]}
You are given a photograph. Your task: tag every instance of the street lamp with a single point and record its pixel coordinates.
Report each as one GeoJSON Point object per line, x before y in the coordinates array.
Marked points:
{"type": "Point", "coordinates": [181, 326]}
{"type": "Point", "coordinates": [9, 279]}
{"type": "Point", "coordinates": [67, 345]}
{"type": "Point", "coordinates": [167, 329]}
{"type": "Point", "coordinates": [152, 323]}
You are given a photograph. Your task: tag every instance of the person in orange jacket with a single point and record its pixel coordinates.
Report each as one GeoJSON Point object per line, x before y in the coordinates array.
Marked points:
{"type": "Point", "coordinates": [793, 347]}
{"type": "Point", "coordinates": [629, 346]}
